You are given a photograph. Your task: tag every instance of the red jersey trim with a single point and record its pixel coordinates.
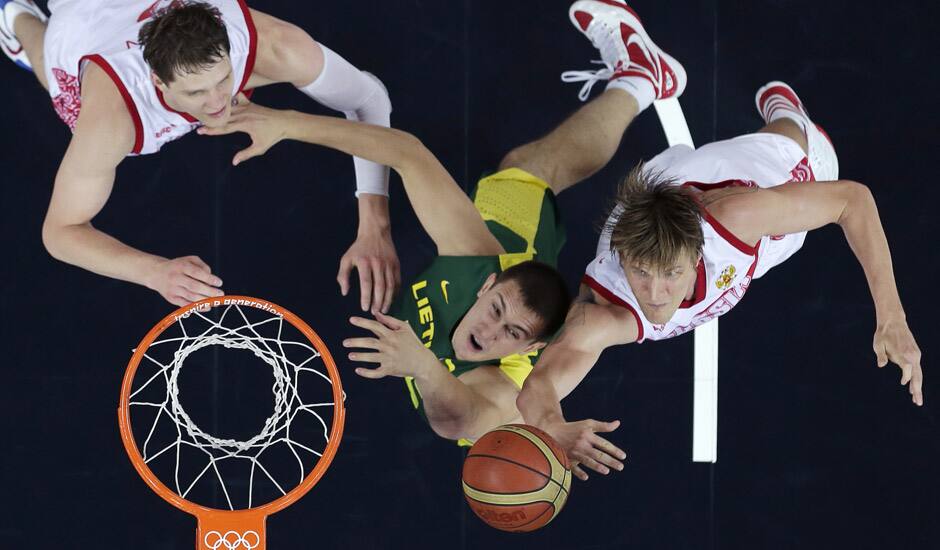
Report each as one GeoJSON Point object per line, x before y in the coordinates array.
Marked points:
{"type": "Point", "coordinates": [186, 116]}
{"type": "Point", "coordinates": [701, 279]}
{"type": "Point", "coordinates": [252, 45]}
{"type": "Point", "coordinates": [613, 298]}
{"type": "Point", "coordinates": [720, 229]}
{"type": "Point", "coordinates": [128, 100]}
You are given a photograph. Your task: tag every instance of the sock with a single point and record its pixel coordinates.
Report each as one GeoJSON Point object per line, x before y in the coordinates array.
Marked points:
{"type": "Point", "coordinates": [361, 97]}
{"type": "Point", "coordinates": [777, 107]}
{"type": "Point", "coordinates": [640, 88]}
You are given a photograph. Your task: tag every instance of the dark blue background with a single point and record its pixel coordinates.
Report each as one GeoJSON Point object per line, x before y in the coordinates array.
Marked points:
{"type": "Point", "coordinates": [817, 447]}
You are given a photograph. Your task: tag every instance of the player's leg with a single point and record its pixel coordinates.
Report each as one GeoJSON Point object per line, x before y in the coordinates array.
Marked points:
{"type": "Point", "coordinates": [637, 72]}
{"type": "Point", "coordinates": [784, 114]}
{"type": "Point", "coordinates": [22, 32]}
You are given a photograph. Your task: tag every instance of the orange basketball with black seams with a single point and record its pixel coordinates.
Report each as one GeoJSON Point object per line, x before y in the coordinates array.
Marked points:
{"type": "Point", "coordinates": [516, 478]}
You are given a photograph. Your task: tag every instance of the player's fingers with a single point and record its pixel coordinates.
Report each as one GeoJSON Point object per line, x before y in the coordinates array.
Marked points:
{"type": "Point", "coordinates": [378, 284]}
{"type": "Point", "coordinates": [202, 274]}
{"type": "Point", "coordinates": [199, 289]}
{"type": "Point", "coordinates": [391, 287]}
{"type": "Point", "coordinates": [246, 153]}
{"type": "Point", "coordinates": [589, 462]}
{"type": "Point", "coordinates": [364, 357]}
{"type": "Point", "coordinates": [176, 300]}
{"type": "Point", "coordinates": [369, 324]}
{"type": "Point", "coordinates": [369, 343]}
{"type": "Point", "coordinates": [199, 262]}
{"type": "Point", "coordinates": [917, 383]}
{"type": "Point", "coordinates": [609, 448]}
{"type": "Point", "coordinates": [389, 321]}
{"type": "Point", "coordinates": [217, 131]}
{"type": "Point", "coordinates": [607, 459]}
{"type": "Point", "coordinates": [373, 374]}
{"type": "Point", "coordinates": [578, 472]}
{"type": "Point", "coordinates": [597, 426]}
{"type": "Point", "coordinates": [881, 354]}
{"type": "Point", "coordinates": [365, 283]}
{"type": "Point", "coordinates": [906, 369]}
{"type": "Point", "coordinates": [188, 295]}
{"type": "Point", "coordinates": [342, 277]}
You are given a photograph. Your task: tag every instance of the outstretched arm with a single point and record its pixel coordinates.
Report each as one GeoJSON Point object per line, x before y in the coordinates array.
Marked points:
{"type": "Point", "coordinates": [286, 53]}
{"type": "Point", "coordinates": [589, 329]}
{"type": "Point", "coordinates": [443, 209]}
{"type": "Point", "coordinates": [104, 134]}
{"type": "Point", "coordinates": [796, 207]}
{"type": "Point", "coordinates": [464, 407]}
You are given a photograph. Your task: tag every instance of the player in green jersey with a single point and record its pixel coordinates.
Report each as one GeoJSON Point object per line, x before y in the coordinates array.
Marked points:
{"type": "Point", "coordinates": [466, 331]}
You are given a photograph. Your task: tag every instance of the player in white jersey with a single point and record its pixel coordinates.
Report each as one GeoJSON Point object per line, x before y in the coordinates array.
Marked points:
{"type": "Point", "coordinates": [128, 76]}
{"type": "Point", "coordinates": [692, 229]}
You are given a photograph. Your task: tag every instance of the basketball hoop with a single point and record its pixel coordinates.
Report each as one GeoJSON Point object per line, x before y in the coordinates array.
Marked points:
{"type": "Point", "coordinates": [306, 393]}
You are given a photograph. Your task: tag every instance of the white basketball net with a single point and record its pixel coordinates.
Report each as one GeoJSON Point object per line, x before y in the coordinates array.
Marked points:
{"type": "Point", "coordinates": [264, 339]}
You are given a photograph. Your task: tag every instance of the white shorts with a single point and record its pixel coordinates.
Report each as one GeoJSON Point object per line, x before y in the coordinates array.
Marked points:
{"type": "Point", "coordinates": [764, 160]}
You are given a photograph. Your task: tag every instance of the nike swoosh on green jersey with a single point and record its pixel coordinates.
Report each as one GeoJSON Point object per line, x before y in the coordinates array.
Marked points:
{"type": "Point", "coordinates": [444, 290]}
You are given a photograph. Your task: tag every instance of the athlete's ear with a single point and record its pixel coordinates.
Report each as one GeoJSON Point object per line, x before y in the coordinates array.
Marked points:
{"type": "Point", "coordinates": [157, 82]}
{"type": "Point", "coordinates": [487, 284]}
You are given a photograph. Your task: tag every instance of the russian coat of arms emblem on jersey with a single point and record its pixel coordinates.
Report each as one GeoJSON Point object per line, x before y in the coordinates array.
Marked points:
{"type": "Point", "coordinates": [727, 275]}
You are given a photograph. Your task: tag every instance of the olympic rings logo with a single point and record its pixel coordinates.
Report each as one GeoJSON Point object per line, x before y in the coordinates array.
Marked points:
{"type": "Point", "coordinates": [232, 540]}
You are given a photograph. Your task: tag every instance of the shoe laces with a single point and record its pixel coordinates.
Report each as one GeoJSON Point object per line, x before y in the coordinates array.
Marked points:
{"type": "Point", "coordinates": [589, 77]}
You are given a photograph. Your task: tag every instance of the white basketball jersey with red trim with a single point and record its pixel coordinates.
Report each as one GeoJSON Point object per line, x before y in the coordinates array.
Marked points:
{"type": "Point", "coordinates": [728, 265]}
{"type": "Point", "coordinates": [105, 32]}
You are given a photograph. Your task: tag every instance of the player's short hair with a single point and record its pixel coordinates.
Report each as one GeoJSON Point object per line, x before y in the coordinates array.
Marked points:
{"type": "Point", "coordinates": [658, 220]}
{"type": "Point", "coordinates": [183, 39]}
{"type": "Point", "coordinates": [543, 291]}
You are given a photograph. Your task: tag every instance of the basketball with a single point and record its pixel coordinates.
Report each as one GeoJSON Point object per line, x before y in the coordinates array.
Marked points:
{"type": "Point", "coordinates": [516, 478]}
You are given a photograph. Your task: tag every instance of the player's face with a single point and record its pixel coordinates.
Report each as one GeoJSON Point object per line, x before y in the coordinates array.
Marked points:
{"type": "Point", "coordinates": [497, 325]}
{"type": "Point", "coordinates": [660, 289]}
{"type": "Point", "coordinates": [206, 95]}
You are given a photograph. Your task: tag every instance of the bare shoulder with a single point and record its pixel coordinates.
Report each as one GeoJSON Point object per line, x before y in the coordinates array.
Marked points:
{"type": "Point", "coordinates": [104, 112]}
{"type": "Point", "coordinates": [593, 322]}
{"type": "Point", "coordinates": [739, 209]}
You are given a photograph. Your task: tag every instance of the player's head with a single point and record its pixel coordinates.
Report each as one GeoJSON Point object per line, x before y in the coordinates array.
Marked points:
{"type": "Point", "coordinates": [515, 312]}
{"type": "Point", "coordinates": [187, 48]}
{"type": "Point", "coordinates": [659, 238]}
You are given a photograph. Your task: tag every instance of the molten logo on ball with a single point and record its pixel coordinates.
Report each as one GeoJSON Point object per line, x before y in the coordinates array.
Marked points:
{"type": "Point", "coordinates": [516, 478]}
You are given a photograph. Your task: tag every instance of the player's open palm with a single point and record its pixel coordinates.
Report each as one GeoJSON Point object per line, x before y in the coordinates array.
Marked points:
{"type": "Point", "coordinates": [264, 126]}
{"type": "Point", "coordinates": [585, 448]}
{"type": "Point", "coordinates": [184, 280]}
{"type": "Point", "coordinates": [895, 343]}
{"type": "Point", "coordinates": [396, 348]}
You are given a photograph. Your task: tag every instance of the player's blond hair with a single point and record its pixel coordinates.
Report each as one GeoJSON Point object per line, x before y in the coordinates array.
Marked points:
{"type": "Point", "coordinates": [658, 223]}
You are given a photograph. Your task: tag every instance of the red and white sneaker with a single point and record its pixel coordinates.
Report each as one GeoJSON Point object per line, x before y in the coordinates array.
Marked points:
{"type": "Point", "coordinates": [9, 10]}
{"type": "Point", "coordinates": [775, 96]}
{"type": "Point", "coordinates": [627, 51]}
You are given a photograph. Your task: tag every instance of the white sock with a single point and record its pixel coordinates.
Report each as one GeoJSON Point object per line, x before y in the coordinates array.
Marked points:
{"type": "Point", "coordinates": [778, 107]}
{"type": "Point", "coordinates": [360, 96]}
{"type": "Point", "coordinates": [640, 88]}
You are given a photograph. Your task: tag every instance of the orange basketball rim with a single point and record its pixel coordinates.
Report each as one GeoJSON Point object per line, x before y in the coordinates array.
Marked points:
{"type": "Point", "coordinates": [233, 529]}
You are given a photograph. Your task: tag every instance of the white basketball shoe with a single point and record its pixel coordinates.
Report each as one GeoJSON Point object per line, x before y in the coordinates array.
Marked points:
{"type": "Point", "coordinates": [772, 97]}
{"type": "Point", "coordinates": [9, 10]}
{"type": "Point", "coordinates": [626, 50]}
